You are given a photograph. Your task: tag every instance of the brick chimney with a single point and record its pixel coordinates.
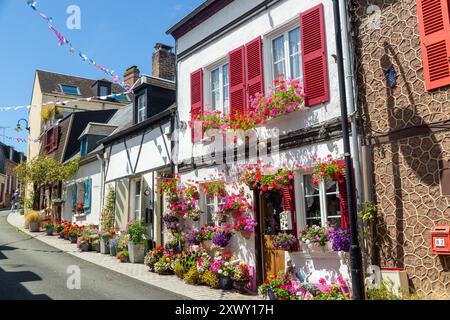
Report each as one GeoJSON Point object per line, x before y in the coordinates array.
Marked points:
{"type": "Point", "coordinates": [131, 75]}
{"type": "Point", "coordinates": [163, 62]}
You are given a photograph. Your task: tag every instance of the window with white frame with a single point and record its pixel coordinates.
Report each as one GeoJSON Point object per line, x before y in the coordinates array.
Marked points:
{"type": "Point", "coordinates": [320, 202]}
{"type": "Point", "coordinates": [286, 54]}
{"type": "Point", "coordinates": [141, 108]}
{"type": "Point", "coordinates": [219, 89]}
{"type": "Point", "coordinates": [211, 206]}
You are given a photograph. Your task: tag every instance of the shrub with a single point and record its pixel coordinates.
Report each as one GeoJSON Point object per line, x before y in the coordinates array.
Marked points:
{"type": "Point", "coordinates": [210, 279]}
{"type": "Point", "coordinates": [33, 216]}
{"type": "Point", "coordinates": [384, 292]}
{"type": "Point", "coordinates": [192, 276]}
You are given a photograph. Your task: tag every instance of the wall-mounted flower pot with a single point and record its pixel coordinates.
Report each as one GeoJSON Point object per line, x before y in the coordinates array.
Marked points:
{"type": "Point", "coordinates": [136, 252]}
{"type": "Point", "coordinates": [35, 227]}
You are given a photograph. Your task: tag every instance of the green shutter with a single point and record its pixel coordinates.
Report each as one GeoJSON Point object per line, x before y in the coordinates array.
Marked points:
{"type": "Point", "coordinates": [87, 195]}
{"type": "Point", "coordinates": [74, 196]}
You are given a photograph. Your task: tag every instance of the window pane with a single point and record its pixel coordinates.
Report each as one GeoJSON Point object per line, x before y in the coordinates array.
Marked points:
{"type": "Point", "coordinates": [312, 202]}
{"type": "Point", "coordinates": [70, 89]}
{"type": "Point", "coordinates": [215, 89]}
{"type": "Point", "coordinates": [278, 56]}
{"type": "Point", "coordinates": [294, 53]}
{"type": "Point", "coordinates": [103, 91]}
{"type": "Point", "coordinates": [333, 209]}
{"type": "Point", "coordinates": [226, 90]}
{"type": "Point", "coordinates": [142, 108]}
{"type": "Point", "coordinates": [272, 208]}
{"type": "Point", "coordinates": [210, 210]}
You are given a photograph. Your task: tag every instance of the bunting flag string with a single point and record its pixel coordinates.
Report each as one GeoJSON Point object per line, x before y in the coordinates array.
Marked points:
{"type": "Point", "coordinates": [65, 102]}
{"type": "Point", "coordinates": [16, 139]}
{"type": "Point", "coordinates": [62, 40]}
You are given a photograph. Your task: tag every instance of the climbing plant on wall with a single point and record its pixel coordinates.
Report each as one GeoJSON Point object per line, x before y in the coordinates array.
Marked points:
{"type": "Point", "coordinates": [107, 219]}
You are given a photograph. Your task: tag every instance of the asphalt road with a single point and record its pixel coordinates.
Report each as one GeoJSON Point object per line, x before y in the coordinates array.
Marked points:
{"type": "Point", "coordinates": [32, 270]}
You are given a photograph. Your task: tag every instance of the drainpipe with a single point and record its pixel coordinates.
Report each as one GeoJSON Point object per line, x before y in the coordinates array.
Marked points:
{"type": "Point", "coordinates": [352, 109]}
{"type": "Point", "coordinates": [357, 275]}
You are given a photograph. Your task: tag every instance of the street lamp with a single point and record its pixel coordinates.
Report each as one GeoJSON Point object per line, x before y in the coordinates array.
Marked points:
{"type": "Point", "coordinates": [19, 127]}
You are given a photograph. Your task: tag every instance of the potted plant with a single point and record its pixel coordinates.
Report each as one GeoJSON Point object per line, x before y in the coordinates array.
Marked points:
{"type": "Point", "coordinates": [84, 243]}
{"type": "Point", "coordinates": [225, 271]}
{"type": "Point", "coordinates": [241, 276]}
{"type": "Point", "coordinates": [73, 234]}
{"type": "Point", "coordinates": [123, 256]}
{"type": "Point", "coordinates": [164, 266]}
{"type": "Point", "coordinates": [245, 225]}
{"type": "Point", "coordinates": [104, 242]}
{"type": "Point", "coordinates": [34, 219]}
{"type": "Point", "coordinates": [222, 237]}
{"type": "Point", "coordinates": [113, 246]}
{"type": "Point", "coordinates": [153, 256]}
{"type": "Point", "coordinates": [136, 246]}
{"type": "Point", "coordinates": [59, 230]}
{"type": "Point", "coordinates": [96, 245]}
{"type": "Point", "coordinates": [315, 236]}
{"type": "Point", "coordinates": [285, 241]}
{"type": "Point", "coordinates": [49, 228]}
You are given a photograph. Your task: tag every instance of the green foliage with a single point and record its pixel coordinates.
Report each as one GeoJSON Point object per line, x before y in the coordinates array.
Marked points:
{"type": "Point", "coordinates": [384, 292]}
{"type": "Point", "coordinates": [210, 279]}
{"type": "Point", "coordinates": [192, 276]}
{"type": "Point", "coordinates": [369, 213]}
{"type": "Point", "coordinates": [188, 260]}
{"type": "Point", "coordinates": [45, 170]}
{"type": "Point", "coordinates": [136, 231]}
{"type": "Point", "coordinates": [107, 218]}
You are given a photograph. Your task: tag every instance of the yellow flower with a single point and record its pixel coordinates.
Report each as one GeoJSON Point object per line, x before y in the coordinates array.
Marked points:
{"type": "Point", "coordinates": [167, 259]}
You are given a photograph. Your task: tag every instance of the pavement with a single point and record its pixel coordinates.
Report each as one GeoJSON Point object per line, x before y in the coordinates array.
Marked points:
{"type": "Point", "coordinates": [41, 262]}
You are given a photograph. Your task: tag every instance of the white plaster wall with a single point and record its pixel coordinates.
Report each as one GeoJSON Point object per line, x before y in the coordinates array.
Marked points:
{"type": "Point", "coordinates": [153, 154]}
{"type": "Point", "coordinates": [92, 171]}
{"type": "Point", "coordinates": [277, 16]}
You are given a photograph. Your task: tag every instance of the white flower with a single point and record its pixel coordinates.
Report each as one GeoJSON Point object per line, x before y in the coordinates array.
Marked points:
{"type": "Point", "coordinates": [219, 271]}
{"type": "Point", "coordinates": [227, 264]}
{"type": "Point", "coordinates": [308, 241]}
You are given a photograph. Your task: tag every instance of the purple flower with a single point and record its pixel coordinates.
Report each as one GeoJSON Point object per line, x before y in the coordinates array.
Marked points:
{"type": "Point", "coordinates": [341, 239]}
{"type": "Point", "coordinates": [221, 239]}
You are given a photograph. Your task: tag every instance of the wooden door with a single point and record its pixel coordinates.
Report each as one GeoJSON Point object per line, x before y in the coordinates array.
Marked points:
{"type": "Point", "coordinates": [273, 260]}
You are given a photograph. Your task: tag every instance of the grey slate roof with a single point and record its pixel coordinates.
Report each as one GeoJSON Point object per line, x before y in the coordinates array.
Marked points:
{"type": "Point", "coordinates": [98, 129]}
{"type": "Point", "coordinates": [50, 84]}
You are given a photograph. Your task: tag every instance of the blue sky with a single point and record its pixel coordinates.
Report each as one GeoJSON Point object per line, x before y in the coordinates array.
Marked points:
{"type": "Point", "coordinates": [116, 34]}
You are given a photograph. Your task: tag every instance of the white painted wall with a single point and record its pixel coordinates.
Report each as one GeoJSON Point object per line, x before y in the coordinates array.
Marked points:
{"type": "Point", "coordinates": [153, 154]}
{"type": "Point", "coordinates": [92, 171]}
{"type": "Point", "coordinates": [285, 12]}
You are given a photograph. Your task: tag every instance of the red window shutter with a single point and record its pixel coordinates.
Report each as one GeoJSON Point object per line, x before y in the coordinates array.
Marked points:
{"type": "Point", "coordinates": [314, 58]}
{"type": "Point", "coordinates": [196, 102]}
{"type": "Point", "coordinates": [434, 27]}
{"type": "Point", "coordinates": [55, 136]}
{"type": "Point", "coordinates": [237, 81]}
{"type": "Point", "coordinates": [254, 70]}
{"type": "Point", "coordinates": [288, 204]}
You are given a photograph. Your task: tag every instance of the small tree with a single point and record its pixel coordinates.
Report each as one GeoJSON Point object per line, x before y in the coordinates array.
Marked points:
{"type": "Point", "coordinates": [108, 216]}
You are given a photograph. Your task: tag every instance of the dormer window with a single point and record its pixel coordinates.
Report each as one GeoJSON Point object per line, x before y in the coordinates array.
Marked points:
{"type": "Point", "coordinates": [141, 108]}
{"type": "Point", "coordinates": [83, 146]}
{"type": "Point", "coordinates": [70, 90]}
{"type": "Point", "coordinates": [104, 91]}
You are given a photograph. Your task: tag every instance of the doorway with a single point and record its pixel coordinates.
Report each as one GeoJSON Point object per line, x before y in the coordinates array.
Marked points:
{"type": "Point", "coordinates": [270, 207]}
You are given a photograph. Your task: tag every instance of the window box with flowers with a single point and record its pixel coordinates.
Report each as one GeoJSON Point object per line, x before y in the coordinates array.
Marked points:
{"type": "Point", "coordinates": [285, 96]}
{"type": "Point", "coordinates": [266, 178]}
